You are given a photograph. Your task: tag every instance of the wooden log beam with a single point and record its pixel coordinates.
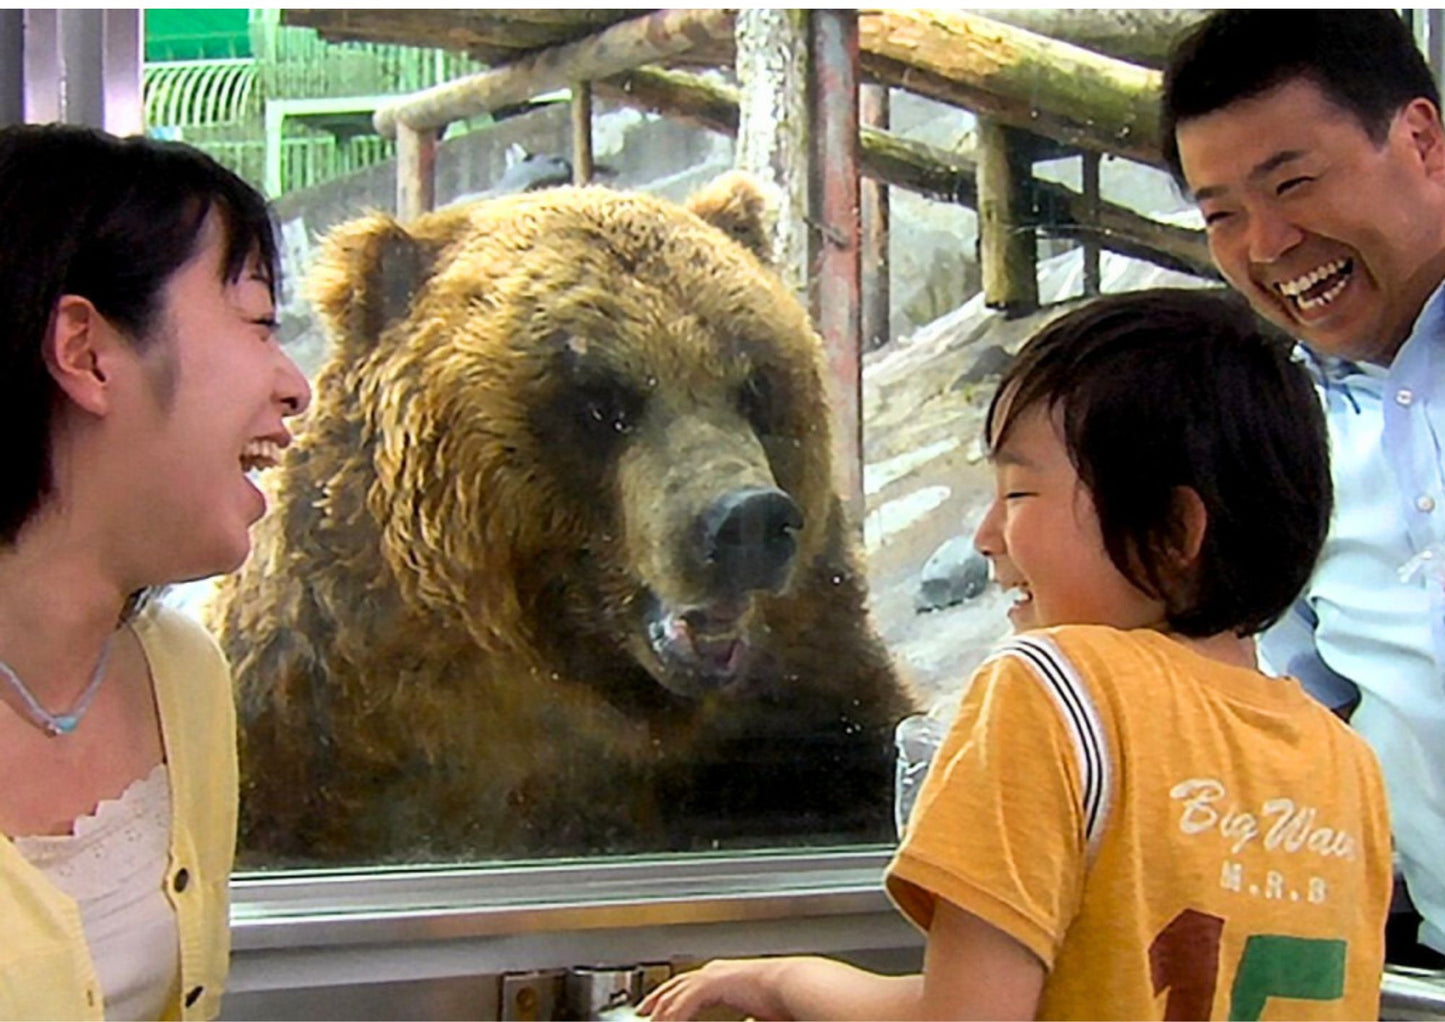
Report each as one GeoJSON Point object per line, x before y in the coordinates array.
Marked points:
{"type": "Point", "coordinates": [493, 36]}
{"type": "Point", "coordinates": [629, 44]}
{"type": "Point", "coordinates": [936, 173]}
{"type": "Point", "coordinates": [1139, 35]}
{"type": "Point", "coordinates": [1018, 78]}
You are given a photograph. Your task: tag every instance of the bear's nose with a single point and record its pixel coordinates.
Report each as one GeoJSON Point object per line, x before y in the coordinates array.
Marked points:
{"type": "Point", "coordinates": [748, 538]}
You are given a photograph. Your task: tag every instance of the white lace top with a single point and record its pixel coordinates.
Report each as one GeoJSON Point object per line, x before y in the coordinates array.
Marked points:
{"type": "Point", "coordinates": [113, 865]}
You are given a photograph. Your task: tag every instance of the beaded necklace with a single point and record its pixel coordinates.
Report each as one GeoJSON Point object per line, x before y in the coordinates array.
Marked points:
{"type": "Point", "coordinates": [56, 724]}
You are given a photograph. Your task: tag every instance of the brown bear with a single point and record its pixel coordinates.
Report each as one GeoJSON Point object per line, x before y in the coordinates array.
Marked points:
{"type": "Point", "coordinates": [555, 566]}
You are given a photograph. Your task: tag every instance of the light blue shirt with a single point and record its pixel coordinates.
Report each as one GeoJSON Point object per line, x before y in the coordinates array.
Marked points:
{"type": "Point", "coordinates": [1373, 616]}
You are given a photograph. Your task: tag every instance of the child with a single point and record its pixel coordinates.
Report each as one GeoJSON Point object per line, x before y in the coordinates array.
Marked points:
{"type": "Point", "coordinates": [1127, 819]}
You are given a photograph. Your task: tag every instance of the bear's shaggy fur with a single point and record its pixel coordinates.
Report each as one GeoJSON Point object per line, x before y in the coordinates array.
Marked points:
{"type": "Point", "coordinates": [555, 566]}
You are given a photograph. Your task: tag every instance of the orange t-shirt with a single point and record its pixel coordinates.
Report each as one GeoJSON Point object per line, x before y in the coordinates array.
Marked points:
{"type": "Point", "coordinates": [1173, 837]}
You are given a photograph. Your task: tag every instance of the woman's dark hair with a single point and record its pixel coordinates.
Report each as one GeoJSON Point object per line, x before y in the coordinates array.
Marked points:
{"type": "Point", "coordinates": [1158, 390]}
{"type": "Point", "coordinates": [110, 220]}
{"type": "Point", "coordinates": [1364, 61]}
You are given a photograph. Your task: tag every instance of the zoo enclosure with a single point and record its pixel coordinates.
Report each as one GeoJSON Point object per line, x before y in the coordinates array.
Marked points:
{"type": "Point", "coordinates": [814, 126]}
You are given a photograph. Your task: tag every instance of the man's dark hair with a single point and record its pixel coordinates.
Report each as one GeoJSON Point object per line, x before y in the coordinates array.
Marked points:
{"type": "Point", "coordinates": [1163, 389]}
{"type": "Point", "coordinates": [111, 220]}
{"type": "Point", "coordinates": [1364, 61]}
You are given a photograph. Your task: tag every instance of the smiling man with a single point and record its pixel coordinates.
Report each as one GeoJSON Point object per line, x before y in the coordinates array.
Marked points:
{"type": "Point", "coordinates": [1312, 142]}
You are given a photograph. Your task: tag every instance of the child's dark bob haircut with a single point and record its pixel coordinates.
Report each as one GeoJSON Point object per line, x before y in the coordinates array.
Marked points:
{"type": "Point", "coordinates": [1157, 390]}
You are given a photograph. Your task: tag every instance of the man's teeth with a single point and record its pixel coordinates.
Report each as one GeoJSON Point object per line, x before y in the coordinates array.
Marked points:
{"type": "Point", "coordinates": [261, 454]}
{"type": "Point", "coordinates": [1296, 288]}
{"type": "Point", "coordinates": [1324, 298]}
{"type": "Point", "coordinates": [1319, 273]}
{"type": "Point", "coordinates": [1022, 596]}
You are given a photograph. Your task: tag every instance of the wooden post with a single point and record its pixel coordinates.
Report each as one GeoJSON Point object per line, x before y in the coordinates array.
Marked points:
{"type": "Point", "coordinates": [833, 184]}
{"type": "Point", "coordinates": [581, 133]}
{"type": "Point", "coordinates": [1093, 278]}
{"type": "Point", "coordinates": [416, 156]}
{"type": "Point", "coordinates": [1005, 223]}
{"type": "Point", "coordinates": [772, 67]}
{"type": "Point", "coordinates": [873, 211]}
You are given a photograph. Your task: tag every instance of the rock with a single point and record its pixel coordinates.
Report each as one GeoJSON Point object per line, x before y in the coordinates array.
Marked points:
{"type": "Point", "coordinates": [955, 572]}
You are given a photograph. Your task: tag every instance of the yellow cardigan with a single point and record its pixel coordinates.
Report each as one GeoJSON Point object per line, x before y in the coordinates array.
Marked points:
{"type": "Point", "coordinates": [45, 966]}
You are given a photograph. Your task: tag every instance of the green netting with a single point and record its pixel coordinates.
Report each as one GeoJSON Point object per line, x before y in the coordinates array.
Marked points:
{"type": "Point", "coordinates": [210, 73]}
{"type": "Point", "coordinates": [197, 34]}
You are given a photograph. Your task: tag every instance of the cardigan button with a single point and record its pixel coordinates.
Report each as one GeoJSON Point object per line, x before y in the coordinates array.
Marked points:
{"type": "Point", "coordinates": [193, 996]}
{"type": "Point", "coordinates": [182, 880]}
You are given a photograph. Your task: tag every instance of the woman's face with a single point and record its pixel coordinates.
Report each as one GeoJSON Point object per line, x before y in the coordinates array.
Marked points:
{"type": "Point", "coordinates": [220, 388]}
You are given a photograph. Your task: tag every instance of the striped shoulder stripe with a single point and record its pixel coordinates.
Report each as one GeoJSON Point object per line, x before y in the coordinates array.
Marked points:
{"type": "Point", "coordinates": [1061, 680]}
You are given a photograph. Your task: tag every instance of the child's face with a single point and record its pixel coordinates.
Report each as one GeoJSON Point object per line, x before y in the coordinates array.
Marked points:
{"type": "Point", "coordinates": [1042, 535]}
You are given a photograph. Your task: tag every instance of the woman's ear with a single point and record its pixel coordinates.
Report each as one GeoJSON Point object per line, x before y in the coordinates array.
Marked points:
{"type": "Point", "coordinates": [1191, 521]}
{"type": "Point", "coordinates": [79, 347]}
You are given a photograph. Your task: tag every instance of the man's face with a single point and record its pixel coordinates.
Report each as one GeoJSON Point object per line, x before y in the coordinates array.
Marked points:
{"type": "Point", "coordinates": [1334, 238]}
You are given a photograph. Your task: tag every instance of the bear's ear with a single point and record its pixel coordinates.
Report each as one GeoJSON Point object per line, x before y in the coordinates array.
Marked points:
{"type": "Point", "coordinates": [735, 204]}
{"type": "Point", "coordinates": [365, 277]}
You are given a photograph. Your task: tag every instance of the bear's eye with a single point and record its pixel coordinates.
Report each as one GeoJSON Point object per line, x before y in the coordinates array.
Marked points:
{"type": "Point", "coordinates": [755, 400]}
{"type": "Point", "coordinates": [609, 408]}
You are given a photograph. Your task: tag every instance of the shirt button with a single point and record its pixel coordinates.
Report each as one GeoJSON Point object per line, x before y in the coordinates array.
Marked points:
{"type": "Point", "coordinates": [1404, 396]}
{"type": "Point", "coordinates": [182, 880]}
{"type": "Point", "coordinates": [1425, 502]}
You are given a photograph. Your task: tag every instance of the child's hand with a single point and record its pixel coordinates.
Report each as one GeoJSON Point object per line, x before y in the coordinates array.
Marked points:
{"type": "Point", "coordinates": [744, 984]}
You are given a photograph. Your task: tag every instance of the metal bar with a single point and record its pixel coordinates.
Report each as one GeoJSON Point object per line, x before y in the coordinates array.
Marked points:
{"type": "Point", "coordinates": [416, 155]}
{"type": "Point", "coordinates": [122, 51]}
{"type": "Point", "coordinates": [1407, 994]}
{"type": "Point", "coordinates": [298, 935]}
{"type": "Point", "coordinates": [833, 181]}
{"type": "Point", "coordinates": [1435, 41]}
{"type": "Point", "coordinates": [42, 74]}
{"type": "Point", "coordinates": [629, 44]}
{"type": "Point", "coordinates": [305, 909]}
{"type": "Point", "coordinates": [581, 133]}
{"type": "Point", "coordinates": [12, 66]}
{"type": "Point", "coordinates": [82, 95]}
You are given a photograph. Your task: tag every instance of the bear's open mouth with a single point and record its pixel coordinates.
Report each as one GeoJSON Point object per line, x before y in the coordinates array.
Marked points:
{"type": "Point", "coordinates": [702, 647]}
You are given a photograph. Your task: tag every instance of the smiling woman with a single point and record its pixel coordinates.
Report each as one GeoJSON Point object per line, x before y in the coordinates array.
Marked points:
{"type": "Point", "coordinates": [141, 380]}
